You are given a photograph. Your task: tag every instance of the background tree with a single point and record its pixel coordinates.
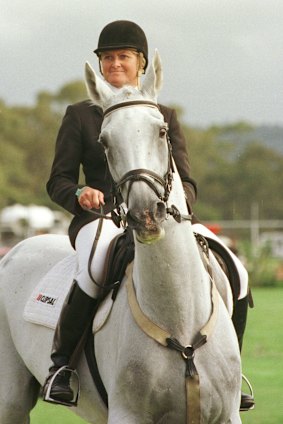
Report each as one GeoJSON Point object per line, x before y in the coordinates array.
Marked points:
{"type": "Point", "coordinates": [232, 170]}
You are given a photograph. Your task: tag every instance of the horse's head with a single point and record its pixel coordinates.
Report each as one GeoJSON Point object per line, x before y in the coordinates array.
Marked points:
{"type": "Point", "coordinates": [134, 137]}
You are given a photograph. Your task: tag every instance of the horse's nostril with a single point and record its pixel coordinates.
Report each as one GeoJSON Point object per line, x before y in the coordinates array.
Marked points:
{"type": "Point", "coordinates": [160, 211]}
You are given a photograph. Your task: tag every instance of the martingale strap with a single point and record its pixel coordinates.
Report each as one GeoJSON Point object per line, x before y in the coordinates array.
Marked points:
{"type": "Point", "coordinates": [164, 338]}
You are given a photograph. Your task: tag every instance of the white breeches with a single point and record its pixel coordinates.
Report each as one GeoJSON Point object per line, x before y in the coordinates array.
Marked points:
{"type": "Point", "coordinates": [84, 242]}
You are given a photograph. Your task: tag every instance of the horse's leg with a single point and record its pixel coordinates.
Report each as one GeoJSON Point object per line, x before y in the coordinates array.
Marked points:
{"type": "Point", "coordinates": [18, 389]}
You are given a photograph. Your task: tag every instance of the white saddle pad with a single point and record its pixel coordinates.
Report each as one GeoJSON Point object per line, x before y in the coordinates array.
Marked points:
{"type": "Point", "coordinates": [45, 303]}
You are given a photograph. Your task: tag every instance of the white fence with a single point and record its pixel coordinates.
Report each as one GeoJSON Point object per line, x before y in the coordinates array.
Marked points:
{"type": "Point", "coordinates": [260, 232]}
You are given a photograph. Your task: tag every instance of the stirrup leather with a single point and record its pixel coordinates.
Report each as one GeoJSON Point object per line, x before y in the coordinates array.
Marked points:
{"type": "Point", "coordinates": [251, 392]}
{"type": "Point", "coordinates": [73, 373]}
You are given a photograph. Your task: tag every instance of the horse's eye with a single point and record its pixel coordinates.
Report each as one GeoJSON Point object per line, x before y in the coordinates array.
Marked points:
{"type": "Point", "coordinates": [162, 132]}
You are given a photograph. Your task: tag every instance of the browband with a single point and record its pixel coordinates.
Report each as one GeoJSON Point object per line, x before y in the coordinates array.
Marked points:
{"type": "Point", "coordinates": [128, 104]}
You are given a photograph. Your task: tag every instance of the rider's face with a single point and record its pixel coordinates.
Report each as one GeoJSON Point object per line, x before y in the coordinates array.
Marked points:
{"type": "Point", "coordinates": [120, 67]}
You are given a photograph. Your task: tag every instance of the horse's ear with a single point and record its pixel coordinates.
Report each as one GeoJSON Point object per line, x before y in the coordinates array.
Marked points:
{"type": "Point", "coordinates": [153, 80]}
{"type": "Point", "coordinates": [97, 89]}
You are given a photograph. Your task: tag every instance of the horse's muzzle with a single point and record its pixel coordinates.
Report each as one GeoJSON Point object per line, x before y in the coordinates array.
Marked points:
{"type": "Point", "coordinates": [147, 222]}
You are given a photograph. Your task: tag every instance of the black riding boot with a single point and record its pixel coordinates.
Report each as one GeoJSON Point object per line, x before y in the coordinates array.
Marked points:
{"type": "Point", "coordinates": [239, 319]}
{"type": "Point", "coordinates": [75, 316]}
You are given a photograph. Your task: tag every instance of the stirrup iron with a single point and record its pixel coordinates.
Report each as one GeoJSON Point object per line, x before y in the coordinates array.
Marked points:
{"type": "Point", "coordinates": [73, 373]}
{"type": "Point", "coordinates": [251, 392]}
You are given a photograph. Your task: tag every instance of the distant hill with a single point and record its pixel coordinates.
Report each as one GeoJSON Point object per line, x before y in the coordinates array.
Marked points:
{"type": "Point", "coordinates": [271, 136]}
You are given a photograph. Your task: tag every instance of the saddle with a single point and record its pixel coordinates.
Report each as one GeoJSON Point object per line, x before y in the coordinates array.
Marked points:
{"type": "Point", "coordinates": [120, 253]}
{"type": "Point", "coordinates": [227, 265]}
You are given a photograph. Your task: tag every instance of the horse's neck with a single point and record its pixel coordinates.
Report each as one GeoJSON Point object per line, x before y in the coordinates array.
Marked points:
{"type": "Point", "coordinates": [172, 285]}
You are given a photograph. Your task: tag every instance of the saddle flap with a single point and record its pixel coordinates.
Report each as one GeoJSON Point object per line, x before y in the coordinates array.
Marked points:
{"type": "Point", "coordinates": [120, 254]}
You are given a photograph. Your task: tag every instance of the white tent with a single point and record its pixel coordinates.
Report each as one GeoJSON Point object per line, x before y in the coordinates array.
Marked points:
{"type": "Point", "coordinates": [32, 217]}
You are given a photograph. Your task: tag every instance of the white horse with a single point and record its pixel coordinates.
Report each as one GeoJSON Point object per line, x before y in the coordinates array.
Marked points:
{"type": "Point", "coordinates": [148, 371]}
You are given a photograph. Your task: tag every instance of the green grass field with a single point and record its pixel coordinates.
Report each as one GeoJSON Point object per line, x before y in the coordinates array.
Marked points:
{"type": "Point", "coordinates": [263, 357]}
{"type": "Point", "coordinates": [262, 363]}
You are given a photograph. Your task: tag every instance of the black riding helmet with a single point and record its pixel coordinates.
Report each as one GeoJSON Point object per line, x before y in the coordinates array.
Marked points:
{"type": "Point", "coordinates": [122, 35]}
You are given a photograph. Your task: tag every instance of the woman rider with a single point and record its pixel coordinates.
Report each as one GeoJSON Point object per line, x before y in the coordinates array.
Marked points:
{"type": "Point", "coordinates": [123, 57]}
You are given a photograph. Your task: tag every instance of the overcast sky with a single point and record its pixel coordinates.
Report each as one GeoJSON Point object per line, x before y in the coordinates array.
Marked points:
{"type": "Point", "coordinates": [222, 59]}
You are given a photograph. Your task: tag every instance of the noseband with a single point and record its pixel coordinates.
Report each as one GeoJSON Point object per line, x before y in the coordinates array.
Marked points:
{"type": "Point", "coordinates": [142, 174]}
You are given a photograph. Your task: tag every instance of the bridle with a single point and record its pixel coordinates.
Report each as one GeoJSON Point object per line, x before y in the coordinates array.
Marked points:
{"type": "Point", "coordinates": [143, 174]}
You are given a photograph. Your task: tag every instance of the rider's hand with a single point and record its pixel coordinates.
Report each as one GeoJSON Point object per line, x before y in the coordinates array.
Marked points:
{"type": "Point", "coordinates": [91, 198]}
